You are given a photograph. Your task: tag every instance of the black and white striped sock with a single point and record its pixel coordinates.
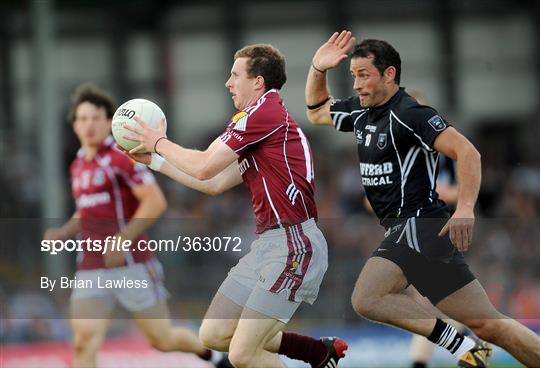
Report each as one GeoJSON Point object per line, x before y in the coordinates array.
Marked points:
{"type": "Point", "coordinates": [446, 336]}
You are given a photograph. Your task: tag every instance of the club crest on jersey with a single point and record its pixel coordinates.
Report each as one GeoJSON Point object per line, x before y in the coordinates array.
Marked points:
{"type": "Point", "coordinates": [99, 177]}
{"type": "Point", "coordinates": [437, 123]}
{"type": "Point", "coordinates": [240, 121]}
{"type": "Point", "coordinates": [381, 141]}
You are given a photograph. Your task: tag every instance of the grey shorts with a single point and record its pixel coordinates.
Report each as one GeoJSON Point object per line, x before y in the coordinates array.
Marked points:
{"type": "Point", "coordinates": [284, 267]}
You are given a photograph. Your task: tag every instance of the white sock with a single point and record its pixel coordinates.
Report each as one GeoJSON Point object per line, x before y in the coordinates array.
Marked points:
{"type": "Point", "coordinates": [445, 335]}
{"type": "Point", "coordinates": [466, 345]}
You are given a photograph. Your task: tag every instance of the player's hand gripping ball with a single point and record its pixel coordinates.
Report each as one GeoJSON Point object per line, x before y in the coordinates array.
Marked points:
{"type": "Point", "coordinates": [145, 109]}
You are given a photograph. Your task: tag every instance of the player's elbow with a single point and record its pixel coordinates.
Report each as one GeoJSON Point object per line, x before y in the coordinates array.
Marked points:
{"type": "Point", "coordinates": [163, 205]}
{"type": "Point", "coordinates": [204, 174]}
{"type": "Point", "coordinates": [311, 117]}
{"type": "Point", "coordinates": [160, 202]}
{"type": "Point", "coordinates": [206, 170]}
{"type": "Point", "coordinates": [215, 186]}
{"type": "Point", "coordinates": [470, 153]}
{"type": "Point", "coordinates": [214, 190]}
{"type": "Point", "coordinates": [464, 151]}
{"type": "Point", "coordinates": [319, 117]}
{"type": "Point", "coordinates": [152, 200]}
{"type": "Point", "coordinates": [477, 155]}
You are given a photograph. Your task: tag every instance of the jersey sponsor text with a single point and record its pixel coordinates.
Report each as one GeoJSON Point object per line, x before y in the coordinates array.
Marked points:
{"type": "Point", "coordinates": [91, 200]}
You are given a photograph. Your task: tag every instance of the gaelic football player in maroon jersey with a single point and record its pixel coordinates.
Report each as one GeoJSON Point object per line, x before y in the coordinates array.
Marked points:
{"type": "Point", "coordinates": [114, 197]}
{"type": "Point", "coordinates": [263, 147]}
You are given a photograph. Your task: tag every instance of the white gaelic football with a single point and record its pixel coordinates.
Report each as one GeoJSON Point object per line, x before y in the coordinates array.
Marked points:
{"type": "Point", "coordinates": [145, 109]}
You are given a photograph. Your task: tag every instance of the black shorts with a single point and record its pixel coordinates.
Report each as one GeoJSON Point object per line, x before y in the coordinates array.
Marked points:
{"type": "Point", "coordinates": [430, 262]}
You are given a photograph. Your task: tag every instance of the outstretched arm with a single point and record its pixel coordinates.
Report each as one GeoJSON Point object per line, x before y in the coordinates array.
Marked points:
{"type": "Point", "coordinates": [152, 204]}
{"type": "Point", "coordinates": [225, 180]}
{"type": "Point", "coordinates": [202, 165]}
{"type": "Point", "coordinates": [328, 56]}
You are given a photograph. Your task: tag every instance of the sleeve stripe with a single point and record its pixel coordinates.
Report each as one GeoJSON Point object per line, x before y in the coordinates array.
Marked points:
{"type": "Point", "coordinates": [358, 111]}
{"type": "Point", "coordinates": [339, 122]}
{"type": "Point", "coordinates": [338, 116]}
{"type": "Point", "coordinates": [362, 112]}
{"type": "Point", "coordinates": [347, 113]}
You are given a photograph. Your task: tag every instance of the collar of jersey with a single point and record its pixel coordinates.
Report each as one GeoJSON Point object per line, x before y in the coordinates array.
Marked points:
{"type": "Point", "coordinates": [271, 93]}
{"type": "Point", "coordinates": [106, 144]}
{"type": "Point", "coordinates": [391, 100]}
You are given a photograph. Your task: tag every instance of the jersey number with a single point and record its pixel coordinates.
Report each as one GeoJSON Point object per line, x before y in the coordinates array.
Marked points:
{"type": "Point", "coordinates": [307, 155]}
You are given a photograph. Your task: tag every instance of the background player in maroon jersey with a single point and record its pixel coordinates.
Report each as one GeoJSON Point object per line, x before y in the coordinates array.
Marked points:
{"type": "Point", "coordinates": [111, 192]}
{"type": "Point", "coordinates": [264, 147]}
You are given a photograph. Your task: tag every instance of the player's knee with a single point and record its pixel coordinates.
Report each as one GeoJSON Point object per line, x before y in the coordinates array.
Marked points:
{"type": "Point", "coordinates": [214, 338]}
{"type": "Point", "coordinates": [364, 306]}
{"type": "Point", "coordinates": [82, 341]}
{"type": "Point", "coordinates": [79, 345]}
{"type": "Point", "coordinates": [241, 357]}
{"type": "Point", "coordinates": [161, 344]}
{"type": "Point", "coordinates": [487, 329]}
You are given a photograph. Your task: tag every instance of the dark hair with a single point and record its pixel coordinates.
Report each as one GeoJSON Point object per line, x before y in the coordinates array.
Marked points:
{"type": "Point", "coordinates": [384, 55]}
{"type": "Point", "coordinates": [266, 61]}
{"type": "Point", "coordinates": [88, 92]}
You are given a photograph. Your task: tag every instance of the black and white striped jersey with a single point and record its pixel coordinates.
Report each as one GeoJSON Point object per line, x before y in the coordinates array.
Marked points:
{"type": "Point", "coordinates": [398, 163]}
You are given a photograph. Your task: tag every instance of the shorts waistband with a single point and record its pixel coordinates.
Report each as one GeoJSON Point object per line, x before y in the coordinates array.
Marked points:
{"type": "Point", "coordinates": [433, 212]}
{"type": "Point", "coordinates": [281, 231]}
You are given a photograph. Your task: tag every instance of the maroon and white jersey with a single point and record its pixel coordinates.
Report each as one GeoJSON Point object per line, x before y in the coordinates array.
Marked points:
{"type": "Point", "coordinates": [275, 162]}
{"type": "Point", "coordinates": [104, 200]}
